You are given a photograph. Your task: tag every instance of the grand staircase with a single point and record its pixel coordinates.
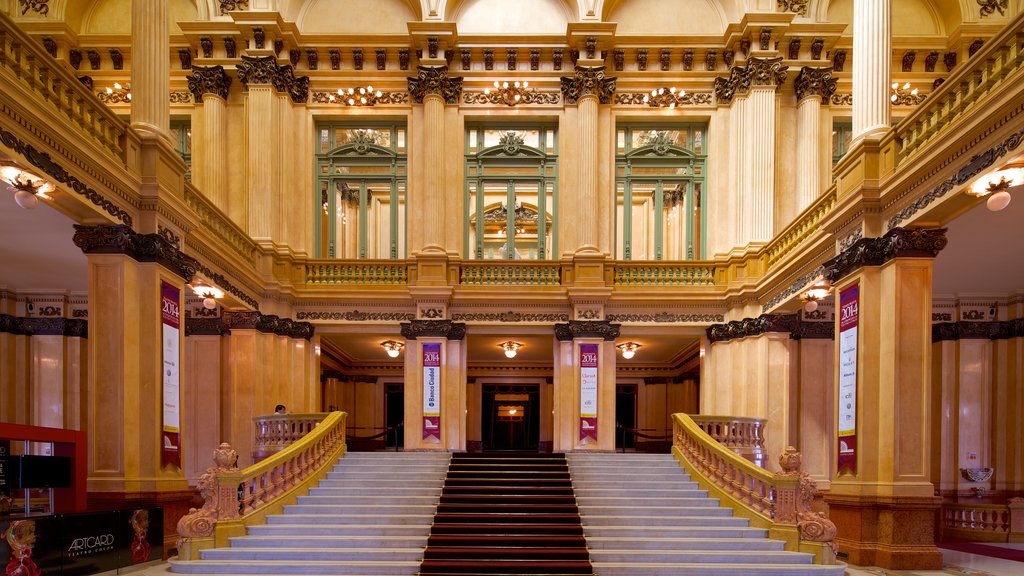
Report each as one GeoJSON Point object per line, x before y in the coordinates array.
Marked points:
{"type": "Point", "coordinates": [507, 513]}
{"type": "Point", "coordinates": [370, 517]}
{"type": "Point", "coordinates": [643, 516]}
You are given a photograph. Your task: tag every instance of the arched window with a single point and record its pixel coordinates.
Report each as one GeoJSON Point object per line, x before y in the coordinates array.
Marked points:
{"type": "Point", "coordinates": [659, 188]}
{"type": "Point", "coordinates": [511, 192]}
{"type": "Point", "coordinates": [360, 194]}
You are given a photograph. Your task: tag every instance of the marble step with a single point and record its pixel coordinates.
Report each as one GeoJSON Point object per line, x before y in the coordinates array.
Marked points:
{"type": "Point", "coordinates": [645, 502]}
{"type": "Point", "coordinates": [648, 511]}
{"type": "Point", "coordinates": [339, 530]}
{"type": "Point", "coordinates": [701, 521]}
{"type": "Point", "coordinates": [627, 493]}
{"type": "Point", "coordinates": [387, 511]}
{"type": "Point", "coordinates": [350, 519]}
{"type": "Point", "coordinates": [314, 554]}
{"type": "Point", "coordinates": [601, 543]}
{"type": "Point", "coordinates": [691, 531]}
{"type": "Point", "coordinates": [730, 569]}
{"type": "Point", "coordinates": [709, 556]}
{"type": "Point", "coordinates": [328, 541]}
{"type": "Point", "coordinates": [367, 500]}
{"type": "Point", "coordinates": [291, 567]}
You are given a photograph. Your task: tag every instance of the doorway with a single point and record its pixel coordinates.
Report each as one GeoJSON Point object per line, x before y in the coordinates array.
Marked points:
{"type": "Point", "coordinates": [625, 416]}
{"type": "Point", "coordinates": [510, 417]}
{"type": "Point", "coordinates": [394, 415]}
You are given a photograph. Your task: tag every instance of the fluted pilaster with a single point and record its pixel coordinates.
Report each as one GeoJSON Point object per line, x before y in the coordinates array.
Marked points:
{"type": "Point", "coordinates": [256, 207]}
{"type": "Point", "coordinates": [872, 44]}
{"type": "Point", "coordinates": [757, 203]}
{"type": "Point", "coordinates": [150, 67]}
{"type": "Point", "coordinates": [808, 151]}
{"type": "Point", "coordinates": [433, 171]}
{"type": "Point", "coordinates": [587, 175]}
{"type": "Point", "coordinates": [212, 178]}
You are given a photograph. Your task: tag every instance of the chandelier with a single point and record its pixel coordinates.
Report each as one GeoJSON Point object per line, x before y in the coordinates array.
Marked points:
{"type": "Point", "coordinates": [628, 349]}
{"type": "Point", "coordinates": [811, 296]}
{"type": "Point", "coordinates": [508, 93]}
{"type": "Point", "coordinates": [361, 96]}
{"type": "Point", "coordinates": [511, 348]}
{"type": "Point", "coordinates": [392, 348]}
{"type": "Point", "coordinates": [664, 97]}
{"type": "Point", "coordinates": [905, 95]}
{"type": "Point", "coordinates": [209, 294]}
{"type": "Point", "coordinates": [27, 187]}
{"type": "Point", "coordinates": [117, 94]}
{"type": "Point", "coordinates": [996, 185]}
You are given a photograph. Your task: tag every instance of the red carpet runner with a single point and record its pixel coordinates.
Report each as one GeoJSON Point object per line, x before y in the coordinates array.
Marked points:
{"type": "Point", "coordinates": [507, 513]}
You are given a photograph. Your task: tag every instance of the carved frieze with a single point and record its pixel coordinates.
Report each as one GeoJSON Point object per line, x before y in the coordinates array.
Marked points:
{"type": "Point", "coordinates": [121, 239]}
{"type": "Point", "coordinates": [228, 286]}
{"type": "Point", "coordinates": [229, 5]}
{"type": "Point", "coordinates": [510, 316]}
{"type": "Point", "coordinates": [574, 329]}
{"type": "Point", "coordinates": [205, 326]}
{"type": "Point", "coordinates": [356, 316]}
{"type": "Point", "coordinates": [588, 81]}
{"type": "Point", "coordinates": [40, 7]}
{"type": "Point", "coordinates": [767, 323]}
{"type": "Point", "coordinates": [815, 82]}
{"type": "Point", "coordinates": [208, 80]}
{"type": "Point", "coordinates": [989, 7]}
{"type": "Point", "coordinates": [53, 326]}
{"type": "Point", "coordinates": [971, 330]}
{"type": "Point", "coordinates": [896, 243]}
{"type": "Point", "coordinates": [527, 97]}
{"type": "Point", "coordinates": [45, 164]}
{"type": "Point", "coordinates": [664, 317]}
{"type": "Point", "coordinates": [795, 6]}
{"type": "Point", "coordinates": [433, 328]}
{"type": "Point", "coordinates": [435, 80]}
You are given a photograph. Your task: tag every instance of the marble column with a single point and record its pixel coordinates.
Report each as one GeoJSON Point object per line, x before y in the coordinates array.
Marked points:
{"type": "Point", "coordinates": [202, 395]}
{"type": "Point", "coordinates": [588, 88]}
{"type": "Point", "coordinates": [14, 362]}
{"type": "Point", "coordinates": [255, 204]}
{"type": "Point", "coordinates": [889, 484]}
{"type": "Point", "coordinates": [872, 48]}
{"type": "Point", "coordinates": [151, 67]}
{"type": "Point", "coordinates": [450, 392]}
{"type": "Point", "coordinates": [433, 88]}
{"type": "Point", "coordinates": [762, 76]}
{"type": "Point", "coordinates": [566, 402]}
{"type": "Point", "coordinates": [813, 87]}
{"type": "Point", "coordinates": [209, 86]}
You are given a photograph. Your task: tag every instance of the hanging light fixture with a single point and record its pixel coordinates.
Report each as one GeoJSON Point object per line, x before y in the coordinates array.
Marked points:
{"type": "Point", "coordinates": [117, 94]}
{"type": "Point", "coordinates": [359, 96]}
{"type": "Point", "coordinates": [628, 349]}
{"type": "Point", "coordinates": [664, 97]}
{"type": "Point", "coordinates": [905, 95]}
{"type": "Point", "coordinates": [392, 348]}
{"type": "Point", "coordinates": [511, 348]}
{"type": "Point", "coordinates": [996, 185]}
{"type": "Point", "coordinates": [508, 93]}
{"type": "Point", "coordinates": [27, 187]}
{"type": "Point", "coordinates": [817, 292]}
{"type": "Point", "coordinates": [209, 294]}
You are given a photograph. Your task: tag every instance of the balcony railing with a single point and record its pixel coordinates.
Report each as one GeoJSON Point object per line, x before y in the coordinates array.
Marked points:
{"type": "Point", "coordinates": [522, 273]}
{"type": "Point", "coordinates": [979, 522]}
{"type": "Point", "coordinates": [744, 436]}
{"type": "Point", "coordinates": [664, 273]}
{"type": "Point", "coordinates": [387, 272]}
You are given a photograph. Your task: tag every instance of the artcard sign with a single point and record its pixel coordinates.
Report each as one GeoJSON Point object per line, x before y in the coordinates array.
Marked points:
{"type": "Point", "coordinates": [588, 392]}
{"type": "Point", "coordinates": [849, 312]}
{"type": "Point", "coordinates": [432, 391]}
{"type": "Point", "coordinates": [170, 317]}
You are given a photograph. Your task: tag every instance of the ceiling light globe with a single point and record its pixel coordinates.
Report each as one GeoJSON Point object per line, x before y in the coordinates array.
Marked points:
{"type": "Point", "coordinates": [510, 352]}
{"type": "Point", "coordinates": [209, 303]}
{"type": "Point", "coordinates": [998, 201]}
{"type": "Point", "coordinates": [393, 352]}
{"type": "Point", "coordinates": [26, 200]}
{"type": "Point", "coordinates": [811, 306]}
{"type": "Point", "coordinates": [628, 353]}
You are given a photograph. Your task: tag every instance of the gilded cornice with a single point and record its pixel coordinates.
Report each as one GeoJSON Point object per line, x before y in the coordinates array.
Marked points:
{"type": "Point", "coordinates": [356, 316]}
{"type": "Point", "coordinates": [574, 329]}
{"type": "Point", "coordinates": [267, 324]}
{"type": "Point", "coordinates": [815, 82]}
{"type": "Point", "coordinates": [767, 323]}
{"type": "Point", "coordinates": [968, 330]}
{"type": "Point", "coordinates": [205, 326]}
{"type": "Point", "coordinates": [208, 80]}
{"type": "Point", "coordinates": [588, 81]}
{"type": "Point", "coordinates": [897, 243]}
{"type": "Point", "coordinates": [57, 326]}
{"type": "Point", "coordinates": [435, 80]}
{"type": "Point", "coordinates": [120, 239]}
{"type": "Point", "coordinates": [433, 328]}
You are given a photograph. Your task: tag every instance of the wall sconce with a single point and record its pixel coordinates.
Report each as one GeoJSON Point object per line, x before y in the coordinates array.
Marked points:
{"type": "Point", "coordinates": [392, 348]}
{"type": "Point", "coordinates": [817, 292]}
{"type": "Point", "coordinates": [904, 95]}
{"type": "Point", "coordinates": [357, 96]}
{"type": "Point", "coordinates": [996, 186]}
{"type": "Point", "coordinates": [664, 97]}
{"type": "Point", "coordinates": [209, 294]}
{"type": "Point", "coordinates": [118, 93]}
{"type": "Point", "coordinates": [628, 349]}
{"type": "Point", "coordinates": [511, 348]}
{"type": "Point", "coordinates": [27, 187]}
{"type": "Point", "coordinates": [507, 93]}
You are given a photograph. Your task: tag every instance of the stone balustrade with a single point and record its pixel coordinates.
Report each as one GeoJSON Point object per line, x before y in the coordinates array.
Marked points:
{"type": "Point", "coordinates": [511, 273]}
{"type": "Point", "coordinates": [275, 432]}
{"type": "Point", "coordinates": [744, 436]}
{"type": "Point", "coordinates": [780, 502]}
{"type": "Point", "coordinates": [984, 522]}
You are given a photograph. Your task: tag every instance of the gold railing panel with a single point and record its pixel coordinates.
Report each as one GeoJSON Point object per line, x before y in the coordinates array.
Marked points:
{"type": "Point", "coordinates": [371, 272]}
{"type": "Point", "coordinates": [219, 224]}
{"type": "Point", "coordinates": [659, 273]}
{"type": "Point", "coordinates": [806, 224]}
{"type": "Point", "coordinates": [779, 502]}
{"type": "Point", "coordinates": [24, 59]}
{"type": "Point", "coordinates": [234, 499]}
{"type": "Point", "coordinates": [510, 273]}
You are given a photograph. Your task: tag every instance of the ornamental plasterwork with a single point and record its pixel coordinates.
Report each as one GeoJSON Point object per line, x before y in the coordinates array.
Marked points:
{"type": "Point", "coordinates": [500, 214]}
{"type": "Point", "coordinates": [356, 316]}
{"type": "Point", "coordinates": [511, 142]}
{"type": "Point", "coordinates": [385, 98]}
{"type": "Point", "coordinates": [208, 80]}
{"type": "Point", "coordinates": [588, 81]}
{"type": "Point", "coordinates": [229, 5]}
{"type": "Point", "coordinates": [495, 97]}
{"type": "Point", "coordinates": [795, 6]}
{"type": "Point", "coordinates": [121, 239]}
{"type": "Point", "coordinates": [180, 97]}
{"type": "Point", "coordinates": [257, 70]}
{"type": "Point", "coordinates": [665, 318]}
{"type": "Point", "coordinates": [574, 329]}
{"type": "Point", "coordinates": [637, 98]}
{"type": "Point", "coordinates": [989, 7]}
{"type": "Point", "coordinates": [39, 6]}
{"type": "Point", "coordinates": [973, 167]}
{"type": "Point", "coordinates": [898, 242]}
{"type": "Point", "coordinates": [815, 82]}
{"type": "Point", "coordinates": [510, 316]}
{"type": "Point", "coordinates": [757, 72]}
{"type": "Point", "coordinates": [435, 80]}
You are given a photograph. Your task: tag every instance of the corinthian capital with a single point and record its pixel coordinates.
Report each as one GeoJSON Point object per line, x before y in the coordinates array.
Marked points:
{"type": "Point", "coordinates": [435, 80]}
{"type": "Point", "coordinates": [766, 71]}
{"type": "Point", "coordinates": [815, 82]}
{"type": "Point", "coordinates": [208, 80]}
{"type": "Point", "coordinates": [257, 70]}
{"type": "Point", "coordinates": [588, 81]}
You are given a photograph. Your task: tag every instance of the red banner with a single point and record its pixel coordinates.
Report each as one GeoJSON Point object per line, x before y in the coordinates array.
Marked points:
{"type": "Point", "coordinates": [432, 391]}
{"type": "Point", "coordinates": [849, 315]}
{"type": "Point", "coordinates": [588, 392]}
{"type": "Point", "coordinates": [170, 318]}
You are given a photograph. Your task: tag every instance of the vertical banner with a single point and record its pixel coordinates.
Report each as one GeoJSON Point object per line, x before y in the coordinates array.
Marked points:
{"type": "Point", "coordinates": [432, 391]}
{"type": "Point", "coordinates": [849, 310]}
{"type": "Point", "coordinates": [588, 392]}
{"type": "Point", "coordinates": [170, 318]}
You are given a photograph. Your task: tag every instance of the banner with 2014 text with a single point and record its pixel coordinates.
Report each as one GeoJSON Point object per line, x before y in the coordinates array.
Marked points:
{"type": "Point", "coordinates": [849, 313]}
{"type": "Point", "coordinates": [432, 391]}
{"type": "Point", "coordinates": [170, 318]}
{"type": "Point", "coordinates": [588, 392]}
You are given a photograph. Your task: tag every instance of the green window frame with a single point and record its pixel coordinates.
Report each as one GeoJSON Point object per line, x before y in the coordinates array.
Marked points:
{"type": "Point", "coordinates": [660, 188]}
{"type": "Point", "coordinates": [511, 192]}
{"type": "Point", "coordinates": [842, 134]}
{"type": "Point", "coordinates": [181, 132]}
{"type": "Point", "coordinates": [360, 195]}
